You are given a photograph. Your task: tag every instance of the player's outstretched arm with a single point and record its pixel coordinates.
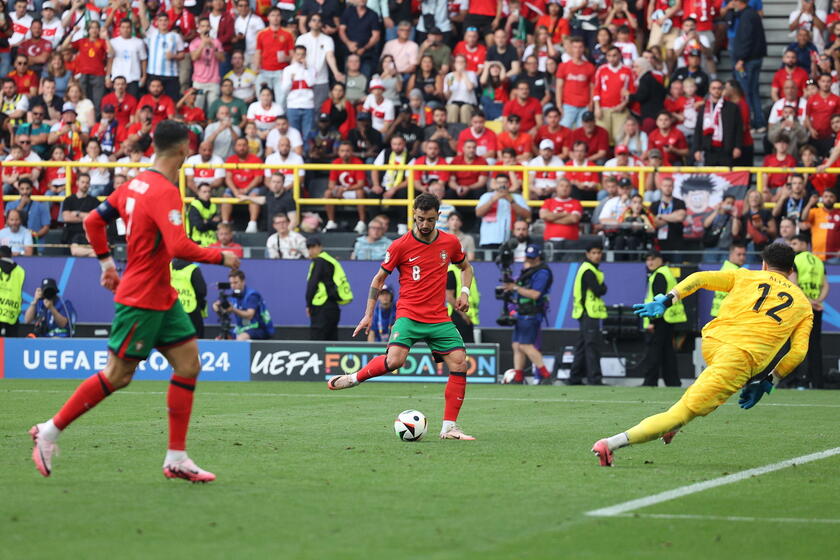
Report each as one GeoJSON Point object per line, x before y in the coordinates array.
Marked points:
{"type": "Point", "coordinates": [375, 286]}
{"type": "Point", "coordinates": [798, 347]}
{"type": "Point", "coordinates": [714, 280]}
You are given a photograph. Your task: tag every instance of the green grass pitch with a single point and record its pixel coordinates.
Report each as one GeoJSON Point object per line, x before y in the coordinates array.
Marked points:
{"type": "Point", "coordinates": [308, 474]}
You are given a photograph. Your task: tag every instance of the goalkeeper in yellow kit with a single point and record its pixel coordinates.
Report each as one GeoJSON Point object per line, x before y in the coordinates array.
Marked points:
{"type": "Point", "coordinates": [762, 311]}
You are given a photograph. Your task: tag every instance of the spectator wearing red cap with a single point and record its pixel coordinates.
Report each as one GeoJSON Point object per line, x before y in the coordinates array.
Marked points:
{"type": "Point", "coordinates": [623, 158]}
{"type": "Point", "coordinates": [381, 108]}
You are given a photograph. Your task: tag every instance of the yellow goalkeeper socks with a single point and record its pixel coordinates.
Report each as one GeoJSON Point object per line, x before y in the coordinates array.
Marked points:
{"type": "Point", "coordinates": [654, 426]}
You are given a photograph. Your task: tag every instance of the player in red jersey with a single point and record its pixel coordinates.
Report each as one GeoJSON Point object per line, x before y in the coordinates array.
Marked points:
{"type": "Point", "coordinates": [422, 257]}
{"type": "Point", "coordinates": [148, 313]}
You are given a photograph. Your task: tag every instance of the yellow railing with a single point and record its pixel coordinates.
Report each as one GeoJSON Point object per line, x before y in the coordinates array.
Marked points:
{"type": "Point", "coordinates": [410, 188]}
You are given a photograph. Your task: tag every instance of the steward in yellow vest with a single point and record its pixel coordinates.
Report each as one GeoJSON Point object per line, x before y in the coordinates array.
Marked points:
{"type": "Point", "coordinates": [327, 287]}
{"type": "Point", "coordinates": [202, 220]}
{"type": "Point", "coordinates": [737, 258]}
{"type": "Point", "coordinates": [12, 277]}
{"type": "Point", "coordinates": [660, 356]}
{"type": "Point", "coordinates": [188, 281]}
{"type": "Point", "coordinates": [588, 308]}
{"type": "Point", "coordinates": [811, 278]}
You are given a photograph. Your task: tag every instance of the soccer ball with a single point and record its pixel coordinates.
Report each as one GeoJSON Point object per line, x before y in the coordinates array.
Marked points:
{"type": "Point", "coordinates": [410, 425]}
{"type": "Point", "coordinates": [508, 376]}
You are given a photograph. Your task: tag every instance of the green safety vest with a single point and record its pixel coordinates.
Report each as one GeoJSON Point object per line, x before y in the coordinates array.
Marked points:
{"type": "Point", "coordinates": [720, 296]}
{"type": "Point", "coordinates": [203, 238]}
{"type": "Point", "coordinates": [810, 273]}
{"type": "Point", "coordinates": [342, 284]}
{"type": "Point", "coordinates": [181, 281]}
{"type": "Point", "coordinates": [593, 305]}
{"type": "Point", "coordinates": [11, 295]}
{"type": "Point", "coordinates": [474, 299]}
{"type": "Point", "coordinates": [675, 313]}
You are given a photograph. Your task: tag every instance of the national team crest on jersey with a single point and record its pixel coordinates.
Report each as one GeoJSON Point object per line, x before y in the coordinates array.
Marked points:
{"type": "Point", "coordinates": [387, 256]}
{"type": "Point", "coordinates": [444, 256]}
{"type": "Point", "coordinates": [175, 217]}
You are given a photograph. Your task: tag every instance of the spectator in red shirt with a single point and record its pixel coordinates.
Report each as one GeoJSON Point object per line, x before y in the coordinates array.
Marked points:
{"type": "Point", "coordinates": [512, 137]}
{"type": "Point", "coordinates": [89, 62]}
{"type": "Point", "coordinates": [584, 183]}
{"type": "Point", "coordinates": [274, 50]}
{"type": "Point", "coordinates": [554, 131]}
{"type": "Point", "coordinates": [613, 82]}
{"type": "Point", "coordinates": [484, 137]}
{"type": "Point", "coordinates": [346, 184]}
{"type": "Point", "coordinates": [124, 103]}
{"type": "Point", "coordinates": [818, 114]}
{"type": "Point", "coordinates": [573, 87]}
{"type": "Point", "coordinates": [596, 138]}
{"type": "Point", "coordinates": [224, 235]}
{"type": "Point", "coordinates": [36, 49]}
{"type": "Point", "coordinates": [779, 158]}
{"type": "Point", "coordinates": [162, 105]}
{"type": "Point", "coordinates": [422, 179]}
{"type": "Point", "coordinates": [25, 79]}
{"type": "Point", "coordinates": [243, 181]}
{"type": "Point", "coordinates": [788, 71]}
{"type": "Point", "coordinates": [526, 107]}
{"type": "Point", "coordinates": [475, 53]}
{"type": "Point", "coordinates": [467, 184]}
{"type": "Point", "coordinates": [561, 214]}
{"type": "Point", "coordinates": [667, 139]}
{"type": "Point", "coordinates": [182, 21]}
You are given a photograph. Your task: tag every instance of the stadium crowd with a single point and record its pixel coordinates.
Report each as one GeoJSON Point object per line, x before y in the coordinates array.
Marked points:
{"type": "Point", "coordinates": [470, 82]}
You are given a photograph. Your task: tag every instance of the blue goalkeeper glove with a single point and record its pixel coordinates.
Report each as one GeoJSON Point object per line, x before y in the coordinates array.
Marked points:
{"type": "Point", "coordinates": [654, 309]}
{"type": "Point", "coordinates": [753, 392]}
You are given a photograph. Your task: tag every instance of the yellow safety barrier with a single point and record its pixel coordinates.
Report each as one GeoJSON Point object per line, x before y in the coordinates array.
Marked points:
{"type": "Point", "coordinates": [640, 171]}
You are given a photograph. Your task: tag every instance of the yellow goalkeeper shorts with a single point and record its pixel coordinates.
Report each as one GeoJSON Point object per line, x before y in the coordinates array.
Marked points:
{"type": "Point", "coordinates": [728, 368]}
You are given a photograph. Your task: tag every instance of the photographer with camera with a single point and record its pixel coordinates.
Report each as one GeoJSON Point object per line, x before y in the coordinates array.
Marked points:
{"type": "Point", "coordinates": [243, 314]}
{"type": "Point", "coordinates": [529, 298]}
{"type": "Point", "coordinates": [53, 316]}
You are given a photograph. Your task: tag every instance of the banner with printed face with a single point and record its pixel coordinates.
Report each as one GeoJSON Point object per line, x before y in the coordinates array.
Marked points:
{"type": "Point", "coordinates": [702, 192]}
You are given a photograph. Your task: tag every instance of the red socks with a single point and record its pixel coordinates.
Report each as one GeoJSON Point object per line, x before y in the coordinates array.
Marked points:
{"type": "Point", "coordinates": [373, 368]}
{"type": "Point", "coordinates": [179, 401]}
{"type": "Point", "coordinates": [544, 373]}
{"type": "Point", "coordinates": [518, 375]}
{"type": "Point", "coordinates": [453, 396]}
{"type": "Point", "coordinates": [87, 395]}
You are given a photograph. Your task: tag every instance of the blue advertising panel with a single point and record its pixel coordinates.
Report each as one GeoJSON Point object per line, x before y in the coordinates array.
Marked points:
{"type": "Point", "coordinates": [78, 358]}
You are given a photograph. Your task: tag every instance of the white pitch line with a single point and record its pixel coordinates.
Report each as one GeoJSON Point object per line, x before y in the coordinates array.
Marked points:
{"type": "Point", "coordinates": [326, 395]}
{"type": "Point", "coordinates": [682, 491]}
{"type": "Point", "coordinates": [729, 518]}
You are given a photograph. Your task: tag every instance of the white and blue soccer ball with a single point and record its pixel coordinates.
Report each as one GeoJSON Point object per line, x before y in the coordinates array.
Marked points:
{"type": "Point", "coordinates": [410, 425]}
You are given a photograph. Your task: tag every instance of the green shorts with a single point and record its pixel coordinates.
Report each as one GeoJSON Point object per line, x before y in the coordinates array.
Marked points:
{"type": "Point", "coordinates": [135, 332]}
{"type": "Point", "coordinates": [442, 338]}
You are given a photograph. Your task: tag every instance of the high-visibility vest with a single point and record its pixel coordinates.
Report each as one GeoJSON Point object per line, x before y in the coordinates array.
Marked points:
{"type": "Point", "coordinates": [720, 296]}
{"type": "Point", "coordinates": [11, 295]}
{"type": "Point", "coordinates": [475, 296]}
{"type": "Point", "coordinates": [342, 284]}
{"type": "Point", "coordinates": [675, 313]}
{"type": "Point", "coordinates": [810, 273]}
{"type": "Point", "coordinates": [203, 238]}
{"type": "Point", "coordinates": [594, 305]}
{"type": "Point", "coordinates": [182, 282]}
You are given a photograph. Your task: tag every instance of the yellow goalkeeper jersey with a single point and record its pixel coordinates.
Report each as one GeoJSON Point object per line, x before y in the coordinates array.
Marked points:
{"type": "Point", "coordinates": [762, 311]}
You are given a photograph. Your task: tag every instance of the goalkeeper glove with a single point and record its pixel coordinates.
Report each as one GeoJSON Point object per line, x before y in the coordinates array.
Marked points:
{"type": "Point", "coordinates": [753, 392]}
{"type": "Point", "coordinates": [654, 309]}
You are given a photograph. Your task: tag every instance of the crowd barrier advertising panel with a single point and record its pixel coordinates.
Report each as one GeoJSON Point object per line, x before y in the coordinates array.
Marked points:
{"type": "Point", "coordinates": [78, 358]}
{"type": "Point", "coordinates": [318, 361]}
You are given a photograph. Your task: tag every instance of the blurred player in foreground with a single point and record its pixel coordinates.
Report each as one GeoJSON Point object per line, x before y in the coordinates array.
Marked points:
{"type": "Point", "coordinates": [148, 314]}
{"type": "Point", "coordinates": [762, 311]}
{"type": "Point", "coordinates": [422, 256]}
